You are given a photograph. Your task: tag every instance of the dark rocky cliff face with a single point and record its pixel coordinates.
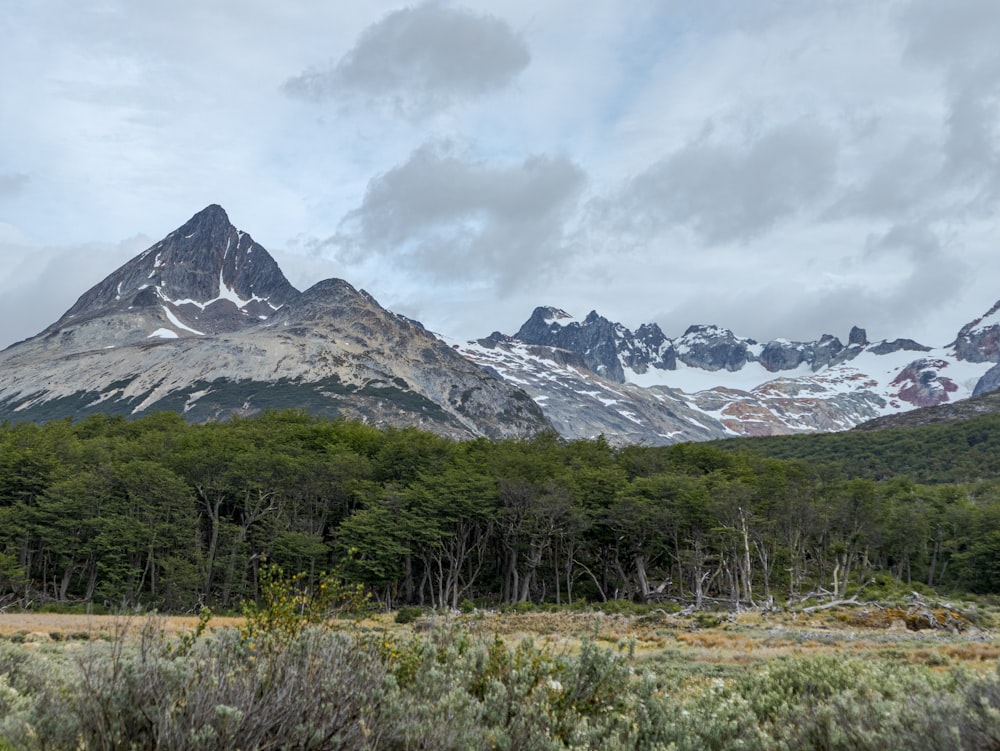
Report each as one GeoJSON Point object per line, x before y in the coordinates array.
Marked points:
{"type": "Point", "coordinates": [206, 271]}
{"type": "Point", "coordinates": [713, 348]}
{"type": "Point", "coordinates": [989, 382]}
{"type": "Point", "coordinates": [595, 339]}
{"type": "Point", "coordinates": [780, 355]}
{"type": "Point", "coordinates": [653, 349]}
{"type": "Point", "coordinates": [609, 348]}
{"type": "Point", "coordinates": [977, 342]}
{"type": "Point", "coordinates": [898, 345]}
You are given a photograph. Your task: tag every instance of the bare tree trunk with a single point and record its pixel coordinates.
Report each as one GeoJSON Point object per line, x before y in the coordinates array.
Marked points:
{"type": "Point", "coordinates": [600, 589]}
{"type": "Point", "coordinates": [935, 552]}
{"type": "Point", "coordinates": [64, 584]}
{"type": "Point", "coordinates": [640, 574]}
{"type": "Point", "coordinates": [212, 508]}
{"type": "Point", "coordinates": [747, 572]}
{"type": "Point", "coordinates": [533, 563]}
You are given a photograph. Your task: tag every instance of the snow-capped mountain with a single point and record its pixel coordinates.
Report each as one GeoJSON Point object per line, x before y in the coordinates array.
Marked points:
{"type": "Point", "coordinates": [205, 278]}
{"type": "Point", "coordinates": [205, 323]}
{"type": "Point", "coordinates": [592, 376]}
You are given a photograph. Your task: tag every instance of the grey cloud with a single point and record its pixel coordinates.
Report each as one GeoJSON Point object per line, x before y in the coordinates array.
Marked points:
{"type": "Point", "coordinates": [420, 59]}
{"type": "Point", "coordinates": [937, 277]}
{"type": "Point", "coordinates": [918, 240]}
{"type": "Point", "coordinates": [971, 148]}
{"type": "Point", "coordinates": [954, 175]}
{"type": "Point", "coordinates": [11, 185]}
{"type": "Point", "coordinates": [928, 283]}
{"type": "Point", "coordinates": [452, 217]}
{"type": "Point", "coordinates": [901, 312]}
{"type": "Point", "coordinates": [896, 186]}
{"type": "Point", "coordinates": [726, 192]}
{"type": "Point", "coordinates": [959, 38]}
{"type": "Point", "coordinates": [960, 33]}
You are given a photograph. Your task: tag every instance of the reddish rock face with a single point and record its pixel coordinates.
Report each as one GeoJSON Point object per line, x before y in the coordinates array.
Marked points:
{"type": "Point", "coordinates": [922, 385]}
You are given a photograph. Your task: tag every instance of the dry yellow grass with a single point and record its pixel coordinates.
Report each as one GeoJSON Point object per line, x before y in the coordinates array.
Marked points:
{"type": "Point", "coordinates": [736, 639]}
{"type": "Point", "coordinates": [40, 625]}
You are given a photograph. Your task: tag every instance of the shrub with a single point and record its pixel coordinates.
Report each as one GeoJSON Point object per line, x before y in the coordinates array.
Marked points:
{"type": "Point", "coordinates": [287, 604]}
{"type": "Point", "coordinates": [315, 692]}
{"type": "Point", "coordinates": [408, 614]}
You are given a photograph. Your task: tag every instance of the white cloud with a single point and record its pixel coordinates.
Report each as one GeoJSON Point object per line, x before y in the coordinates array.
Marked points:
{"type": "Point", "coordinates": [959, 41]}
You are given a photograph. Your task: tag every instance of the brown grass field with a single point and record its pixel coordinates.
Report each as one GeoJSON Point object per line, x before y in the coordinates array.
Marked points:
{"type": "Point", "coordinates": [695, 642]}
{"type": "Point", "coordinates": [40, 627]}
{"type": "Point", "coordinates": [750, 637]}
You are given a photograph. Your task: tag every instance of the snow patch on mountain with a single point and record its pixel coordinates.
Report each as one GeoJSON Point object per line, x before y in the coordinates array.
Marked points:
{"type": "Point", "coordinates": [176, 322]}
{"type": "Point", "coordinates": [162, 333]}
{"type": "Point", "coordinates": [594, 376]}
{"type": "Point", "coordinates": [690, 379]}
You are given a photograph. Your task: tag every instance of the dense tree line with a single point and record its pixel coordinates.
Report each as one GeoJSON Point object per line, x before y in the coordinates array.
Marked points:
{"type": "Point", "coordinates": [160, 513]}
{"type": "Point", "coordinates": [963, 451]}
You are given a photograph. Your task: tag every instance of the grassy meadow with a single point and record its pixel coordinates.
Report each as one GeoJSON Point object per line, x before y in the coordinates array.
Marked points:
{"type": "Point", "coordinates": [912, 675]}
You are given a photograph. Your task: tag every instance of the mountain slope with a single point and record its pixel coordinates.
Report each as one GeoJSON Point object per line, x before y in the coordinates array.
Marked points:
{"type": "Point", "coordinates": [581, 404]}
{"type": "Point", "coordinates": [592, 376]}
{"type": "Point", "coordinates": [205, 323]}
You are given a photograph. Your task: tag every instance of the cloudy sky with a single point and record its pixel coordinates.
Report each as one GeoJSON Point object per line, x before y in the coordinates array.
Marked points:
{"type": "Point", "coordinates": [784, 168]}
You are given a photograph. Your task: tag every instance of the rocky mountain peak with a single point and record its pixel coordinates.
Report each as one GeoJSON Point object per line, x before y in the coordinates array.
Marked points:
{"type": "Point", "coordinates": [542, 320]}
{"type": "Point", "coordinates": [596, 338]}
{"type": "Point", "coordinates": [611, 350]}
{"type": "Point", "coordinates": [714, 348]}
{"type": "Point", "coordinates": [979, 340]}
{"type": "Point", "coordinates": [349, 315]}
{"type": "Point", "coordinates": [328, 292]}
{"type": "Point", "coordinates": [213, 214]}
{"type": "Point", "coordinates": [206, 274]}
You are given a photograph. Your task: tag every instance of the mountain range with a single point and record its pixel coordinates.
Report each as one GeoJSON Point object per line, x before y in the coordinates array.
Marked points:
{"type": "Point", "coordinates": [205, 323]}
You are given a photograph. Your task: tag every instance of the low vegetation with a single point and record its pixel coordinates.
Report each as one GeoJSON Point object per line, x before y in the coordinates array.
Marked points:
{"type": "Point", "coordinates": [555, 680]}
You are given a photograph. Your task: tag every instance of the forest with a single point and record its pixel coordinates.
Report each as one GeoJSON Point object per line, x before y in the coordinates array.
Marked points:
{"type": "Point", "coordinates": [963, 451]}
{"type": "Point", "coordinates": [158, 513]}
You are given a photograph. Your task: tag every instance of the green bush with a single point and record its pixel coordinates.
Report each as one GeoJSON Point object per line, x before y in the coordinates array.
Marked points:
{"type": "Point", "coordinates": [80, 608]}
{"type": "Point", "coordinates": [705, 620]}
{"type": "Point", "coordinates": [288, 604]}
{"type": "Point", "coordinates": [408, 614]}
